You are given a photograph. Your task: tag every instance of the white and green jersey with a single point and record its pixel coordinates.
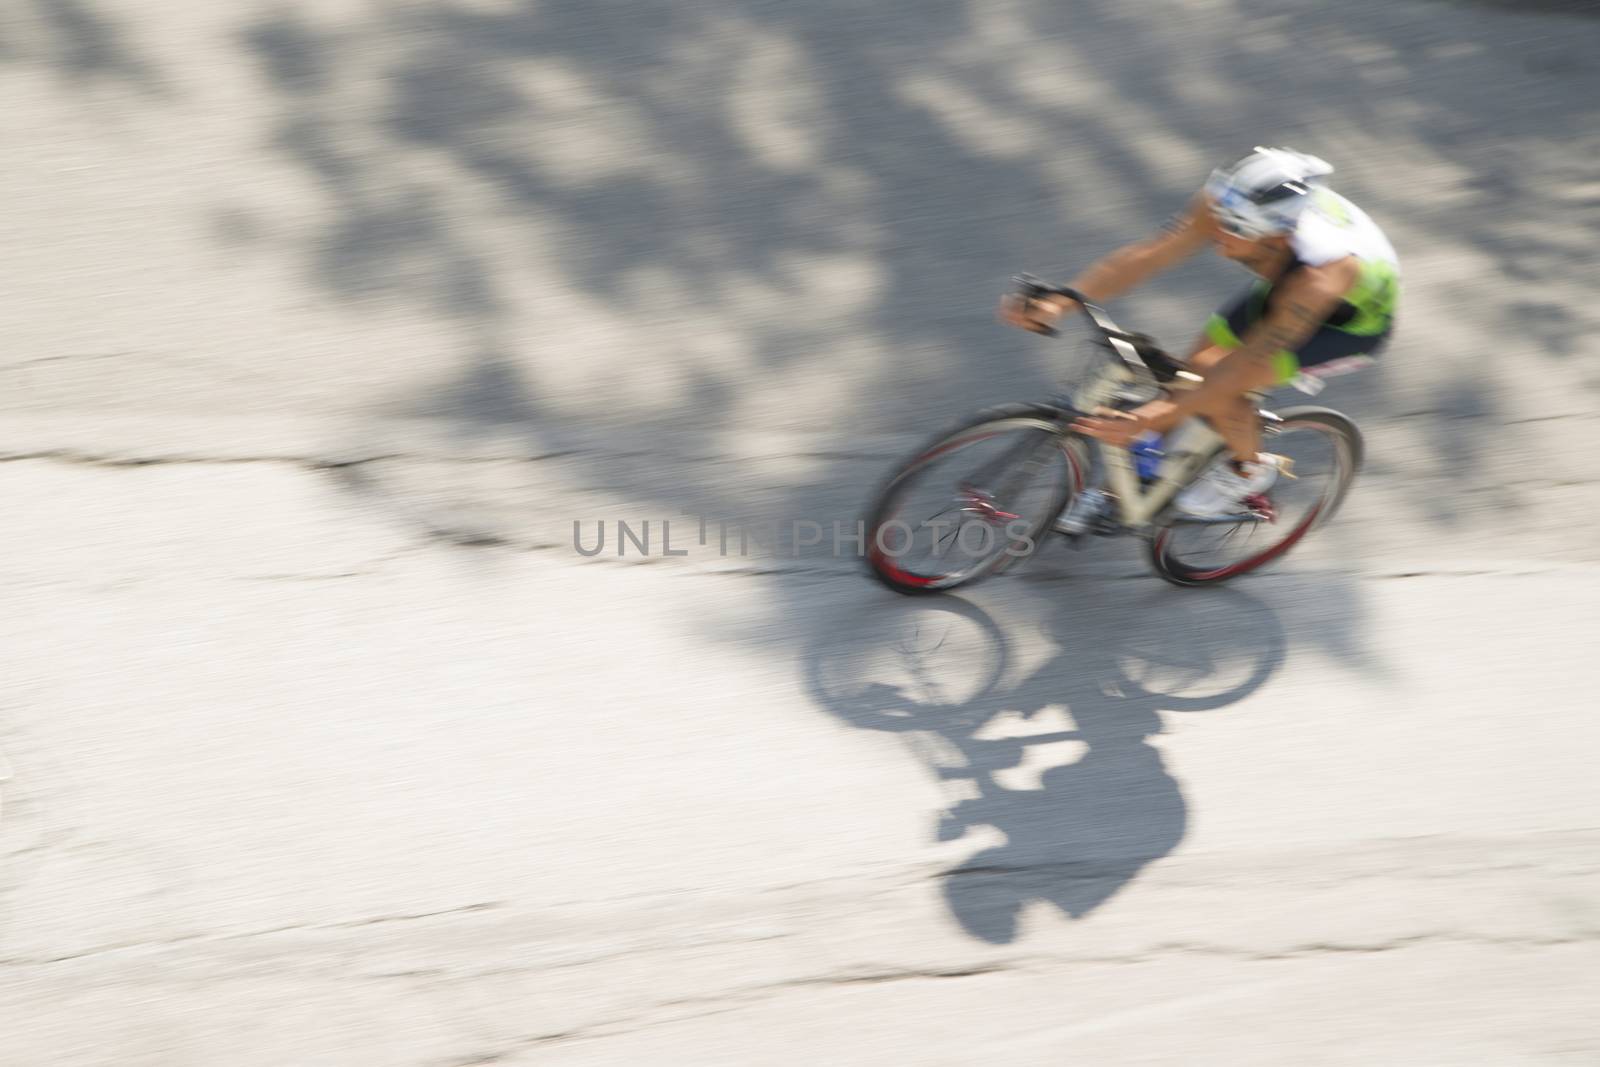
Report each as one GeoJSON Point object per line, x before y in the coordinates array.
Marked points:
{"type": "Point", "coordinates": [1331, 228]}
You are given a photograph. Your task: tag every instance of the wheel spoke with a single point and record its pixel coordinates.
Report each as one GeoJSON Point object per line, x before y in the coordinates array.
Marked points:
{"type": "Point", "coordinates": [1030, 475]}
{"type": "Point", "coordinates": [1319, 446]}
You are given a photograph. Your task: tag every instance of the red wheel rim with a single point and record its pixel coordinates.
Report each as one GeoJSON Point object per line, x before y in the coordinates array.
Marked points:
{"type": "Point", "coordinates": [1217, 574]}
{"type": "Point", "coordinates": [885, 564]}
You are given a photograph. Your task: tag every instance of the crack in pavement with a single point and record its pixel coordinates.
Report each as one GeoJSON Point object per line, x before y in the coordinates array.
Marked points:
{"type": "Point", "coordinates": [892, 446]}
{"type": "Point", "coordinates": [113, 461]}
{"type": "Point", "coordinates": [1574, 416]}
{"type": "Point", "coordinates": [882, 975]}
{"type": "Point", "coordinates": [328, 577]}
{"type": "Point", "coordinates": [337, 459]}
{"type": "Point", "coordinates": [210, 369]}
{"type": "Point", "coordinates": [735, 999]}
{"type": "Point", "coordinates": [859, 976]}
{"type": "Point", "coordinates": [183, 939]}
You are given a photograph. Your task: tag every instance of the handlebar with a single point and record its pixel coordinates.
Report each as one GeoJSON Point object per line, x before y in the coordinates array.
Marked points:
{"type": "Point", "coordinates": [1032, 288]}
{"type": "Point", "coordinates": [1137, 350]}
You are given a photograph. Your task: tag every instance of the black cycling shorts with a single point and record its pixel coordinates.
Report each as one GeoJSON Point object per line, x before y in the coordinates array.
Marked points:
{"type": "Point", "coordinates": [1327, 352]}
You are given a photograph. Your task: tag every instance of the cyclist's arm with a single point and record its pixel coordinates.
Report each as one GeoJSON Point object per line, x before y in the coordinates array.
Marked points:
{"type": "Point", "coordinates": [1132, 264]}
{"type": "Point", "coordinates": [1186, 234]}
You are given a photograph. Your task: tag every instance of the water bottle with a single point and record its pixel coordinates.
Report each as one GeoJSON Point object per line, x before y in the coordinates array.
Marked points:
{"type": "Point", "coordinates": [1147, 454]}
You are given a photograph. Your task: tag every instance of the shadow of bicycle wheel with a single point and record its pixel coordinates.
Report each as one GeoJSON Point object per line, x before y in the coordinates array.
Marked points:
{"type": "Point", "coordinates": [1043, 726]}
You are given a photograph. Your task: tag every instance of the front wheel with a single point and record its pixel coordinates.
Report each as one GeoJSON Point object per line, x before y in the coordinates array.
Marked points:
{"type": "Point", "coordinates": [973, 499]}
{"type": "Point", "coordinates": [1327, 451]}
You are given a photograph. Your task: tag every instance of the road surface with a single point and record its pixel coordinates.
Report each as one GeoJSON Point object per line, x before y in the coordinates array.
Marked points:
{"type": "Point", "coordinates": [323, 743]}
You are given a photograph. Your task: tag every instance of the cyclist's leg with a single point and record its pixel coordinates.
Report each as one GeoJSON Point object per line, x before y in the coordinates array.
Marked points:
{"type": "Point", "coordinates": [1235, 421]}
{"type": "Point", "coordinates": [1232, 414]}
{"type": "Point", "coordinates": [1325, 353]}
{"type": "Point", "coordinates": [1233, 417]}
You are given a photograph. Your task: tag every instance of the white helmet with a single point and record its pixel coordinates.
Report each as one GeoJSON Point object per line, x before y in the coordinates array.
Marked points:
{"type": "Point", "coordinates": [1264, 192]}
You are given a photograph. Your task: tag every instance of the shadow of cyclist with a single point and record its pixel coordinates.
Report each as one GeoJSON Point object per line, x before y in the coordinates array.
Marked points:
{"type": "Point", "coordinates": [945, 675]}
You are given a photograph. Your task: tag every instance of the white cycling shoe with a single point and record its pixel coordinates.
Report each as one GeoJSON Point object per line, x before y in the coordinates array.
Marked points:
{"type": "Point", "coordinates": [1223, 491]}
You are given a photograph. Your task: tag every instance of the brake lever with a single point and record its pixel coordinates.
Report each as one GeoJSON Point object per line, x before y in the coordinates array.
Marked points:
{"type": "Point", "coordinates": [1030, 286]}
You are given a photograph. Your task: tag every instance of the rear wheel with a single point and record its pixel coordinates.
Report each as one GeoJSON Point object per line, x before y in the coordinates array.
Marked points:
{"type": "Point", "coordinates": [973, 500]}
{"type": "Point", "coordinates": [1326, 450]}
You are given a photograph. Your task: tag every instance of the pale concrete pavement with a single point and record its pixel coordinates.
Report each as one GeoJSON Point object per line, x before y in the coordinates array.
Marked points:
{"type": "Point", "coordinates": [324, 322]}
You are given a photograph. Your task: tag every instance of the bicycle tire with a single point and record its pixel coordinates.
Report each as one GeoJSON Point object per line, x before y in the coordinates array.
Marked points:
{"type": "Point", "coordinates": [886, 568]}
{"type": "Point", "coordinates": [1351, 452]}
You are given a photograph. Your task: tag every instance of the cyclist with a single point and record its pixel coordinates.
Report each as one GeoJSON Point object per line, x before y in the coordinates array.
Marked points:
{"type": "Point", "coordinates": [1324, 303]}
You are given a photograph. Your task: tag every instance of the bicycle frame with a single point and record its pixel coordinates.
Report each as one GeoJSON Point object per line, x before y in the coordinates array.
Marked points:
{"type": "Point", "coordinates": [1189, 447]}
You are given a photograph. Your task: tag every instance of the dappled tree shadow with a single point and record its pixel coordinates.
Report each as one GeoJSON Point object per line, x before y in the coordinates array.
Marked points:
{"type": "Point", "coordinates": [801, 175]}
{"type": "Point", "coordinates": [655, 228]}
{"type": "Point", "coordinates": [78, 40]}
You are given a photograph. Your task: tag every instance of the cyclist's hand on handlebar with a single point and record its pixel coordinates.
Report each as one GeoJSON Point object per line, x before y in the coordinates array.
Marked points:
{"type": "Point", "coordinates": [1037, 315]}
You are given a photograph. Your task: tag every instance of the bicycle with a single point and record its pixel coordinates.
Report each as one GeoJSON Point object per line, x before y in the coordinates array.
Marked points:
{"type": "Point", "coordinates": [1083, 487]}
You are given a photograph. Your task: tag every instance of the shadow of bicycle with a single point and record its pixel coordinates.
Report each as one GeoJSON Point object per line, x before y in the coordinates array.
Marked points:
{"type": "Point", "coordinates": [1041, 731]}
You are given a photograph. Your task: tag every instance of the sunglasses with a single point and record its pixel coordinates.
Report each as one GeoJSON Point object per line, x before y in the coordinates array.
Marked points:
{"type": "Point", "coordinates": [1237, 227]}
